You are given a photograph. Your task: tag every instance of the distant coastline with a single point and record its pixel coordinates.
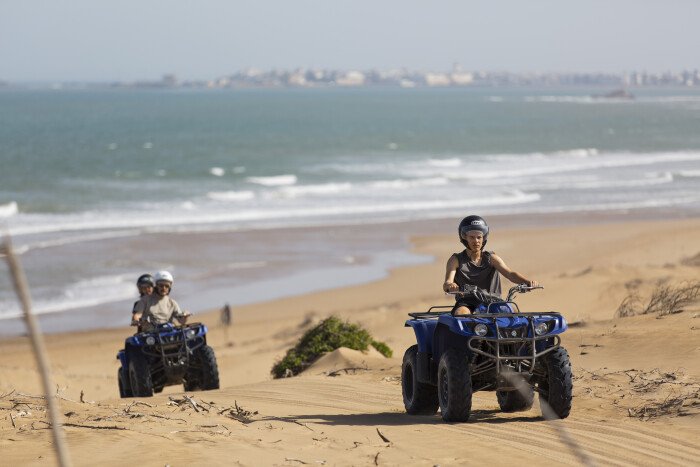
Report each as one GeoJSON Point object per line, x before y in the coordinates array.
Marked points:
{"type": "Point", "coordinates": [398, 77]}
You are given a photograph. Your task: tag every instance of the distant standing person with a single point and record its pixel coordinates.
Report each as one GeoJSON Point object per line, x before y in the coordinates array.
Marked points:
{"type": "Point", "coordinates": [477, 267]}
{"type": "Point", "coordinates": [226, 315]}
{"type": "Point", "coordinates": [158, 308]}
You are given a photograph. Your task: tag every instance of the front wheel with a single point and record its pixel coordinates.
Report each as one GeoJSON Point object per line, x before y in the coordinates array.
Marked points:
{"type": "Point", "coordinates": [418, 398]}
{"type": "Point", "coordinates": [556, 390]}
{"type": "Point", "coordinates": [124, 384]}
{"type": "Point", "coordinates": [140, 375]}
{"type": "Point", "coordinates": [454, 386]}
{"type": "Point", "coordinates": [205, 375]}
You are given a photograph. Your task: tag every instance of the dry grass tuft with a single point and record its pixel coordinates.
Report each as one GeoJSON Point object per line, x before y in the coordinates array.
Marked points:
{"type": "Point", "coordinates": [629, 306]}
{"type": "Point", "coordinates": [664, 300]}
{"type": "Point", "coordinates": [692, 261]}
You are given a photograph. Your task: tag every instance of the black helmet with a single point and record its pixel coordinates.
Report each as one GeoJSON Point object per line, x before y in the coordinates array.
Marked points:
{"type": "Point", "coordinates": [473, 223]}
{"type": "Point", "coordinates": [145, 279]}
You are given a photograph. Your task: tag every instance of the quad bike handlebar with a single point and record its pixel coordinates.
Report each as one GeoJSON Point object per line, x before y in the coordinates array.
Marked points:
{"type": "Point", "coordinates": [521, 288]}
{"type": "Point", "coordinates": [485, 297]}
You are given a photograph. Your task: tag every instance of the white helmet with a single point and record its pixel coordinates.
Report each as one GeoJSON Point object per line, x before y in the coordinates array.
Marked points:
{"type": "Point", "coordinates": [163, 276]}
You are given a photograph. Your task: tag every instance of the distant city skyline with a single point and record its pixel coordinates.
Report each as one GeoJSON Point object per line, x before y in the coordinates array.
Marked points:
{"type": "Point", "coordinates": [92, 41]}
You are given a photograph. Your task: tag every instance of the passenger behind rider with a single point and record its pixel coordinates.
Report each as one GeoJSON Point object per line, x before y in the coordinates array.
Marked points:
{"type": "Point", "coordinates": [145, 285]}
{"type": "Point", "coordinates": [158, 308]}
{"type": "Point", "coordinates": [477, 267]}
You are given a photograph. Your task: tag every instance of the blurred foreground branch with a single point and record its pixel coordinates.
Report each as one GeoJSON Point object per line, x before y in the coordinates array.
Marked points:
{"type": "Point", "coordinates": [21, 288]}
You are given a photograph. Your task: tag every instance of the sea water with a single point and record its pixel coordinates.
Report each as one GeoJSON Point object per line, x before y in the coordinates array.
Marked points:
{"type": "Point", "coordinates": [95, 172]}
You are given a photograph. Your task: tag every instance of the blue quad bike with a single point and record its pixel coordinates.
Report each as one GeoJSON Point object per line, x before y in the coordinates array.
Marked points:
{"type": "Point", "coordinates": [167, 356]}
{"type": "Point", "coordinates": [496, 348]}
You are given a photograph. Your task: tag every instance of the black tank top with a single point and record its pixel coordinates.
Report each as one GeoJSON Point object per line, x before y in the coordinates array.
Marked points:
{"type": "Point", "coordinates": [484, 276]}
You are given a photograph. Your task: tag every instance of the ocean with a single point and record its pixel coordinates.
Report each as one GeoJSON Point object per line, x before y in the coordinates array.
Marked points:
{"type": "Point", "coordinates": [112, 183]}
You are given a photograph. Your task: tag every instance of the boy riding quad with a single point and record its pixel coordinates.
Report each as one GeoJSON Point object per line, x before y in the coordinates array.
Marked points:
{"type": "Point", "coordinates": [496, 348]}
{"type": "Point", "coordinates": [162, 354]}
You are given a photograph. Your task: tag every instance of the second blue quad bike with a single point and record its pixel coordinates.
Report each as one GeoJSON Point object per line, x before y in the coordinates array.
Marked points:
{"type": "Point", "coordinates": [495, 348]}
{"type": "Point", "coordinates": [167, 356]}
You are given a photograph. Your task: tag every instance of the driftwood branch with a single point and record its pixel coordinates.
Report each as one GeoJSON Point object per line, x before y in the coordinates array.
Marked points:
{"type": "Point", "coordinates": [384, 438]}
{"type": "Point", "coordinates": [347, 370]}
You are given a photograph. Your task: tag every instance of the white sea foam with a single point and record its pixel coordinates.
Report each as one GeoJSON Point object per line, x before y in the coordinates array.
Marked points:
{"type": "Point", "coordinates": [585, 152]}
{"type": "Point", "coordinates": [599, 184]}
{"type": "Point", "coordinates": [688, 173]}
{"type": "Point", "coordinates": [321, 189]}
{"type": "Point", "coordinates": [403, 184]}
{"type": "Point", "coordinates": [607, 161]}
{"type": "Point", "coordinates": [231, 195]}
{"type": "Point", "coordinates": [407, 187]}
{"type": "Point", "coordinates": [91, 292]}
{"type": "Point", "coordinates": [649, 203]}
{"type": "Point", "coordinates": [93, 237]}
{"type": "Point", "coordinates": [8, 209]}
{"type": "Point", "coordinates": [452, 162]}
{"type": "Point", "coordinates": [217, 171]}
{"type": "Point", "coordinates": [277, 180]}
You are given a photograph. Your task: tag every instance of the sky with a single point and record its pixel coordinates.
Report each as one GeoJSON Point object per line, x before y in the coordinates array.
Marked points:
{"type": "Point", "coordinates": [99, 40]}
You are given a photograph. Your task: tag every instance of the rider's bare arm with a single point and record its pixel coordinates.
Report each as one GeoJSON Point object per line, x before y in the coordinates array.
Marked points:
{"type": "Point", "coordinates": [137, 313]}
{"type": "Point", "coordinates": [135, 318]}
{"type": "Point", "coordinates": [513, 276]}
{"type": "Point", "coordinates": [451, 269]}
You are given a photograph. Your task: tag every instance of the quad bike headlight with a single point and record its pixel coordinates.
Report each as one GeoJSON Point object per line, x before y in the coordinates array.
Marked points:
{"type": "Point", "coordinates": [150, 340]}
{"type": "Point", "coordinates": [541, 329]}
{"type": "Point", "coordinates": [481, 329]}
{"type": "Point", "coordinates": [190, 333]}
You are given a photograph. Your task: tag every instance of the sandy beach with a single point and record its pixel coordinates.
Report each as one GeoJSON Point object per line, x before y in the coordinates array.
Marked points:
{"type": "Point", "coordinates": [636, 388]}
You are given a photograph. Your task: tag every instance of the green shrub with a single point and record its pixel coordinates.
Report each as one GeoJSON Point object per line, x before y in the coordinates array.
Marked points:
{"type": "Point", "coordinates": [382, 348]}
{"type": "Point", "coordinates": [327, 336]}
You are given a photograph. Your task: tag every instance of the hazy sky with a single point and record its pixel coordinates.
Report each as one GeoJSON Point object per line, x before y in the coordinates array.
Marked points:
{"type": "Point", "coordinates": [95, 40]}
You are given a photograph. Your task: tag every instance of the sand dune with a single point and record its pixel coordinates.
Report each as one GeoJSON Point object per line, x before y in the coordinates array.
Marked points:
{"type": "Point", "coordinates": [637, 379]}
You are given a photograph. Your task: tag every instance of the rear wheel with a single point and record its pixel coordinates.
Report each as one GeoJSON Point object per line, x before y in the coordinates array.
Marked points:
{"type": "Point", "coordinates": [556, 390]}
{"type": "Point", "coordinates": [418, 398]}
{"type": "Point", "coordinates": [454, 386]}
{"type": "Point", "coordinates": [516, 401]}
{"type": "Point", "coordinates": [140, 375]}
{"type": "Point", "coordinates": [124, 384]}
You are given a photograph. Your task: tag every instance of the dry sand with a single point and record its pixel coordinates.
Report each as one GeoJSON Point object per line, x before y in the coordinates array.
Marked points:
{"type": "Point", "coordinates": [636, 379]}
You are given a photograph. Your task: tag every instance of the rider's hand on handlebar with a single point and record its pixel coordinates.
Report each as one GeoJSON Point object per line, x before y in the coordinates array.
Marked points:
{"type": "Point", "coordinates": [450, 287]}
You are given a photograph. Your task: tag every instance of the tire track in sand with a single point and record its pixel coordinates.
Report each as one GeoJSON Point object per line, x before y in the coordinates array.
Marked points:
{"type": "Point", "coordinates": [612, 443]}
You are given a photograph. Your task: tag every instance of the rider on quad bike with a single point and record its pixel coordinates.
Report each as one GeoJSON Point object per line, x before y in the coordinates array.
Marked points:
{"type": "Point", "coordinates": [161, 353]}
{"type": "Point", "coordinates": [484, 342]}
{"type": "Point", "coordinates": [145, 285]}
{"type": "Point", "coordinates": [476, 267]}
{"type": "Point", "coordinates": [158, 307]}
